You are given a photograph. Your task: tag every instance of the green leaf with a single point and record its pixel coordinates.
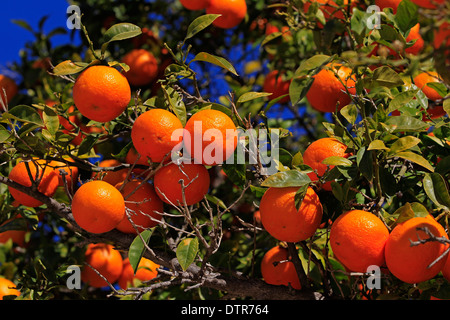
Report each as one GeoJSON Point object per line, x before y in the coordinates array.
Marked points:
{"type": "Point", "coordinates": [51, 120]}
{"type": "Point", "coordinates": [377, 145]}
{"type": "Point", "coordinates": [270, 37]}
{"type": "Point", "coordinates": [69, 67]}
{"type": "Point", "coordinates": [24, 114]}
{"type": "Point", "coordinates": [248, 96]}
{"type": "Point", "coordinates": [385, 77]}
{"type": "Point", "coordinates": [407, 15]}
{"type": "Point", "coordinates": [404, 143]}
{"type": "Point", "coordinates": [406, 124]}
{"type": "Point", "coordinates": [336, 161]}
{"type": "Point", "coordinates": [216, 201]}
{"type": "Point", "coordinates": [312, 63]}
{"type": "Point", "coordinates": [218, 61]}
{"type": "Point", "coordinates": [176, 103]}
{"type": "Point", "coordinates": [446, 104]}
{"type": "Point", "coordinates": [414, 157]}
{"type": "Point", "coordinates": [297, 159]}
{"type": "Point", "coordinates": [23, 24]}
{"type": "Point", "coordinates": [350, 113]}
{"type": "Point", "coordinates": [187, 250]}
{"type": "Point", "coordinates": [199, 24]}
{"type": "Point", "coordinates": [120, 31]}
{"type": "Point", "coordinates": [137, 248]}
{"type": "Point", "coordinates": [409, 211]}
{"type": "Point", "coordinates": [436, 189]}
{"type": "Point", "coordinates": [401, 99]}
{"type": "Point", "coordinates": [440, 88]}
{"type": "Point", "coordinates": [87, 144]}
{"type": "Point", "coordinates": [289, 178]}
{"type": "Point", "coordinates": [443, 166]}
{"type": "Point", "coordinates": [4, 134]}
{"type": "Point", "coordinates": [365, 163]}
{"type": "Point", "coordinates": [300, 195]}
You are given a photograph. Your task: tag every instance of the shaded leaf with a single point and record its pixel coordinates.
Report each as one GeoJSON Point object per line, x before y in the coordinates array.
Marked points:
{"type": "Point", "coordinates": [137, 248]}
{"type": "Point", "coordinates": [187, 251]}
{"type": "Point", "coordinates": [25, 114]}
{"type": "Point", "coordinates": [289, 178]}
{"type": "Point", "coordinates": [69, 67]}
{"type": "Point", "coordinates": [218, 61]}
{"type": "Point", "coordinates": [436, 189]}
{"type": "Point", "coordinates": [200, 24]}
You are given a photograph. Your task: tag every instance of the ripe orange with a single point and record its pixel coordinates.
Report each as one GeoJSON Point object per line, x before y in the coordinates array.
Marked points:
{"type": "Point", "coordinates": [329, 8]}
{"type": "Point", "coordinates": [317, 152]}
{"type": "Point", "coordinates": [421, 81]}
{"type": "Point", "coordinates": [232, 11]}
{"type": "Point", "coordinates": [48, 183]}
{"type": "Point", "coordinates": [326, 90]}
{"type": "Point", "coordinates": [276, 84]}
{"type": "Point", "coordinates": [276, 270]}
{"type": "Point", "coordinates": [17, 236]}
{"type": "Point", "coordinates": [357, 239]}
{"type": "Point", "coordinates": [410, 263]}
{"type": "Point", "coordinates": [143, 67]}
{"type": "Point", "coordinates": [147, 270]}
{"type": "Point", "coordinates": [98, 207]}
{"type": "Point", "coordinates": [442, 36]}
{"type": "Point", "coordinates": [71, 172]}
{"type": "Point", "coordinates": [195, 4]}
{"type": "Point", "coordinates": [144, 204]}
{"type": "Point", "coordinates": [152, 134]}
{"type": "Point", "coordinates": [10, 87]}
{"type": "Point", "coordinates": [414, 34]}
{"type": "Point", "coordinates": [106, 260]}
{"type": "Point", "coordinates": [8, 288]}
{"type": "Point", "coordinates": [101, 93]}
{"type": "Point", "coordinates": [446, 268]}
{"type": "Point", "coordinates": [195, 179]}
{"type": "Point", "coordinates": [210, 137]}
{"type": "Point", "coordinates": [430, 4]}
{"type": "Point", "coordinates": [282, 221]}
{"type": "Point", "coordinates": [132, 158]}
{"type": "Point", "coordinates": [112, 177]}
{"type": "Point", "coordinates": [388, 4]}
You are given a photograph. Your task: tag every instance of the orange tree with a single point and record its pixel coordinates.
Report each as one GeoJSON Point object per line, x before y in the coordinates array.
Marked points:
{"type": "Point", "coordinates": [395, 165]}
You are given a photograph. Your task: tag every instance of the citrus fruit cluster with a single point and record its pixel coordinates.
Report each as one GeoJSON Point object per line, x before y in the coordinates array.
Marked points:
{"type": "Point", "coordinates": [104, 259]}
{"type": "Point", "coordinates": [232, 12]}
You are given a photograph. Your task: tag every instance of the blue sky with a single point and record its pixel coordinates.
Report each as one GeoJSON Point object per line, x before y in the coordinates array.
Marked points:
{"type": "Point", "coordinates": [13, 37]}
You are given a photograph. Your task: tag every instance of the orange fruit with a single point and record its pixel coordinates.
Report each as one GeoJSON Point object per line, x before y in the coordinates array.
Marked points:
{"type": "Point", "coordinates": [101, 93]}
{"type": "Point", "coordinates": [112, 177]}
{"type": "Point", "coordinates": [143, 67]}
{"type": "Point", "coordinates": [410, 263]}
{"type": "Point", "coordinates": [152, 134]}
{"type": "Point", "coordinates": [17, 236]}
{"type": "Point", "coordinates": [232, 12]}
{"type": "Point", "coordinates": [147, 270]}
{"type": "Point", "coordinates": [195, 178]}
{"type": "Point", "coordinates": [277, 85]}
{"type": "Point", "coordinates": [429, 4]}
{"type": "Point", "coordinates": [388, 4]}
{"type": "Point", "coordinates": [414, 34]}
{"type": "Point", "coordinates": [8, 288]}
{"type": "Point", "coordinates": [71, 172]}
{"type": "Point", "coordinates": [329, 8]}
{"type": "Point", "coordinates": [195, 4]}
{"type": "Point", "coordinates": [283, 221]}
{"type": "Point", "coordinates": [357, 239]}
{"type": "Point", "coordinates": [48, 181]}
{"type": "Point", "coordinates": [132, 158]}
{"type": "Point", "coordinates": [442, 36]}
{"type": "Point", "coordinates": [106, 260]}
{"type": "Point", "coordinates": [98, 207]}
{"type": "Point", "coordinates": [317, 152]}
{"type": "Point", "coordinates": [446, 268]}
{"type": "Point", "coordinates": [326, 90]}
{"type": "Point", "coordinates": [278, 270]}
{"type": "Point", "coordinates": [210, 137]}
{"type": "Point", "coordinates": [421, 81]}
{"type": "Point", "coordinates": [10, 87]}
{"type": "Point", "coordinates": [141, 199]}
